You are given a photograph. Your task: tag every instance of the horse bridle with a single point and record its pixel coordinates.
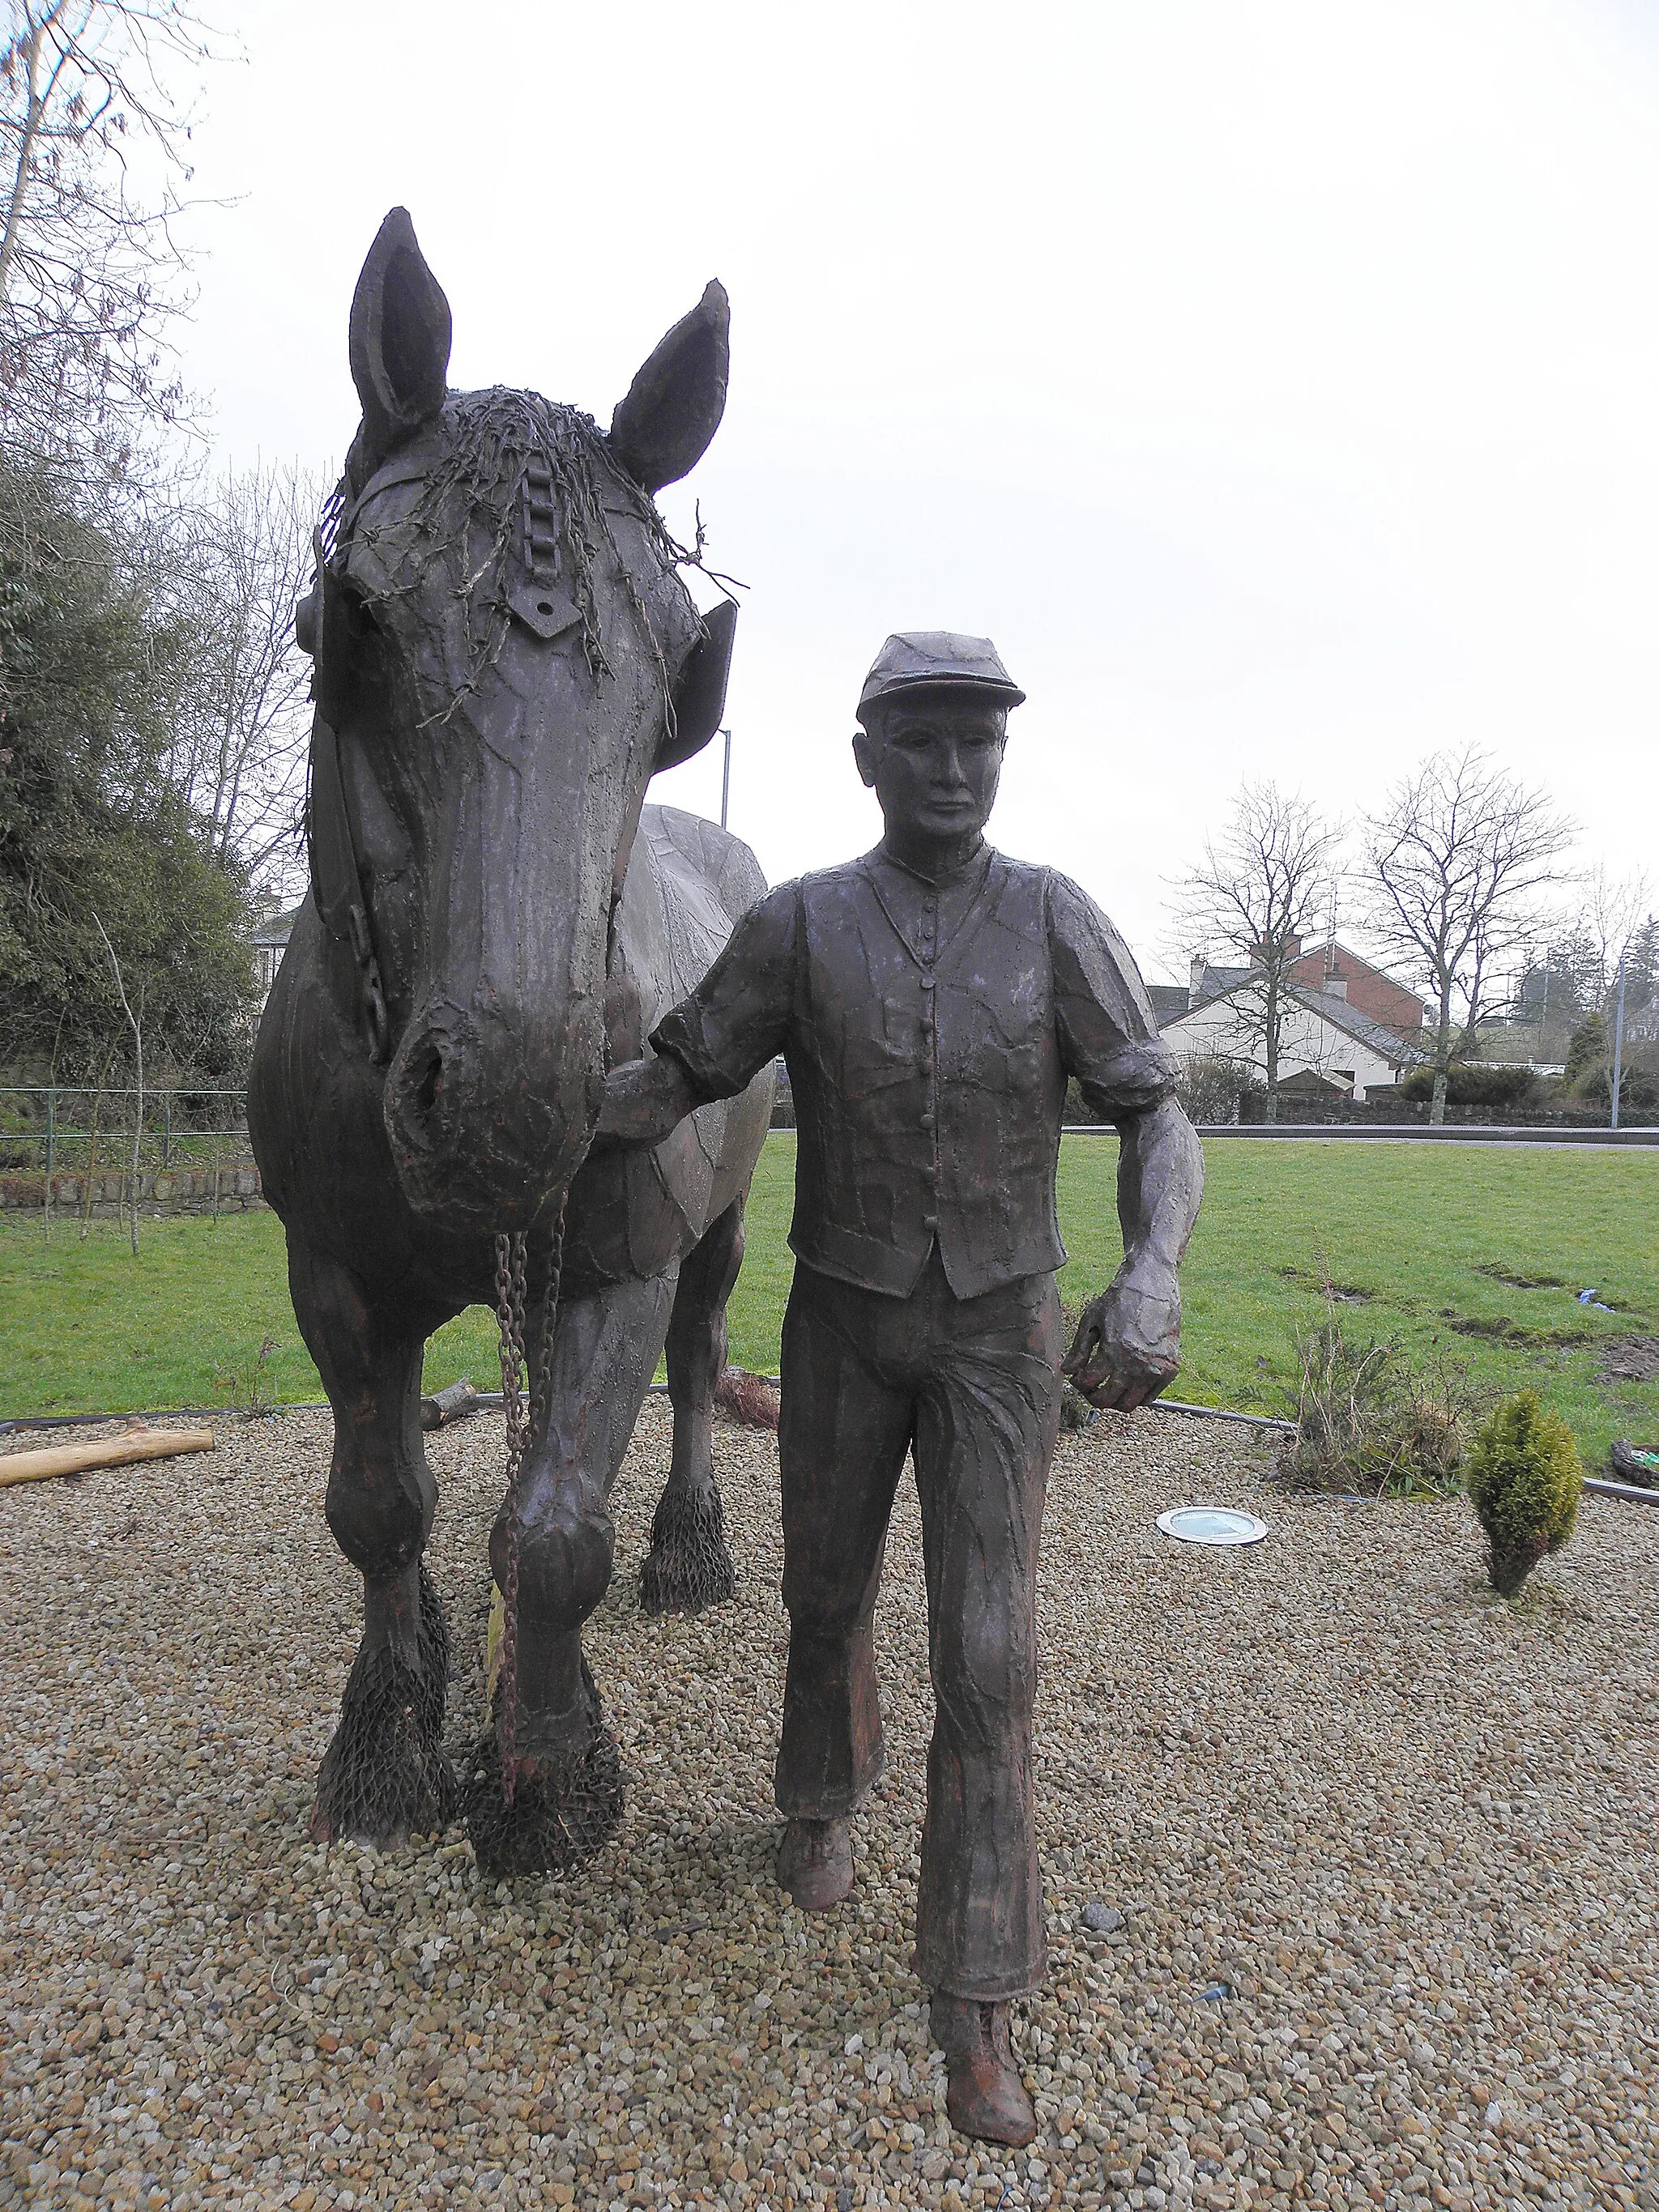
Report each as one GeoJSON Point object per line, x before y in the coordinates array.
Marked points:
{"type": "Point", "coordinates": [336, 873]}
{"type": "Point", "coordinates": [696, 702]}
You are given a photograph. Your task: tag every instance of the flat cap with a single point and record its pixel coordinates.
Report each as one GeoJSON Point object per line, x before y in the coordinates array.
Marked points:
{"type": "Point", "coordinates": [914, 656]}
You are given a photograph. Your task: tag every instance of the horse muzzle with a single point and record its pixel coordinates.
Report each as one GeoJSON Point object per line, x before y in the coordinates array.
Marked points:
{"type": "Point", "coordinates": [486, 1120]}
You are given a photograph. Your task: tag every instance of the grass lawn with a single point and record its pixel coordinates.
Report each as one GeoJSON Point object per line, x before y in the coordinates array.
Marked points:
{"type": "Point", "coordinates": [1425, 1233]}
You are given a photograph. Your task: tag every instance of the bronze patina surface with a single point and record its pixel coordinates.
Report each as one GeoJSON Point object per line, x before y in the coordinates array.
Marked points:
{"type": "Point", "coordinates": [932, 1000]}
{"type": "Point", "coordinates": [504, 651]}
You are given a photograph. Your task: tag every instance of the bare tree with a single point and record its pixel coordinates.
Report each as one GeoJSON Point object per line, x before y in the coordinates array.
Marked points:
{"type": "Point", "coordinates": [1457, 865]}
{"type": "Point", "coordinates": [137, 1027]}
{"type": "Point", "coordinates": [1611, 912]}
{"type": "Point", "coordinates": [233, 564]}
{"type": "Point", "coordinates": [93, 140]}
{"type": "Point", "coordinates": [1264, 886]}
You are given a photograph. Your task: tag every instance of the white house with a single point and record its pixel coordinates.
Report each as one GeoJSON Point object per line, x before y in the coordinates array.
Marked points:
{"type": "Point", "coordinates": [1325, 1044]}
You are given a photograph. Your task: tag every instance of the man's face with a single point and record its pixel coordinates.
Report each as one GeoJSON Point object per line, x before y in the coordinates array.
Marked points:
{"type": "Point", "coordinates": [933, 761]}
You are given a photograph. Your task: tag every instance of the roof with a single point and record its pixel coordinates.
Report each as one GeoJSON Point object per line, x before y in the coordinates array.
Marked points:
{"type": "Point", "coordinates": [1218, 982]}
{"type": "Point", "coordinates": [1387, 1044]}
{"type": "Point", "coordinates": [278, 928]}
{"type": "Point", "coordinates": [1169, 1000]}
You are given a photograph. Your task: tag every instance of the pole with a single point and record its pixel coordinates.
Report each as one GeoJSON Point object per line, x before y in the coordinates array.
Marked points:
{"type": "Point", "coordinates": [1617, 1043]}
{"type": "Point", "coordinates": [725, 777]}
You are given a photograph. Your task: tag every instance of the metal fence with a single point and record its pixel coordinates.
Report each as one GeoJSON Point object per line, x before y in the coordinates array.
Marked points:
{"type": "Point", "coordinates": [72, 1145]}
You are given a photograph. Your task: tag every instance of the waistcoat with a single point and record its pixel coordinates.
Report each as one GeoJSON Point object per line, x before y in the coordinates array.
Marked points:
{"type": "Point", "coordinates": [928, 1084]}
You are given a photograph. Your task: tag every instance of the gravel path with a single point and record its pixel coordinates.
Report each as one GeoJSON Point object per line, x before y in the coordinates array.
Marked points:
{"type": "Point", "coordinates": [1371, 1860]}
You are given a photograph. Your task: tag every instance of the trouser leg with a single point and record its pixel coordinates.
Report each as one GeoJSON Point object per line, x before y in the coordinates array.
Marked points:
{"type": "Point", "coordinates": [986, 1427]}
{"type": "Point", "coordinates": [842, 1441]}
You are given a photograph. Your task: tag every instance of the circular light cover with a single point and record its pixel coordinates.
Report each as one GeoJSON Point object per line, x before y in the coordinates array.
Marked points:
{"type": "Point", "coordinates": [1213, 1525]}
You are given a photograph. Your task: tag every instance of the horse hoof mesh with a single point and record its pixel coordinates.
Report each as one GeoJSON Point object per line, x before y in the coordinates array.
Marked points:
{"type": "Point", "coordinates": [556, 1820]}
{"type": "Point", "coordinates": [385, 1777]}
{"type": "Point", "coordinates": [688, 1568]}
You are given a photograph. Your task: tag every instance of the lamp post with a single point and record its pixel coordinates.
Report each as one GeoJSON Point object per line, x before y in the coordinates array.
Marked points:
{"type": "Point", "coordinates": [1617, 1043]}
{"type": "Point", "coordinates": [725, 777]}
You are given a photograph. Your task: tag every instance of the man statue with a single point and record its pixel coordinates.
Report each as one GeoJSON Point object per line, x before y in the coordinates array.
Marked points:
{"type": "Point", "coordinates": [931, 1001]}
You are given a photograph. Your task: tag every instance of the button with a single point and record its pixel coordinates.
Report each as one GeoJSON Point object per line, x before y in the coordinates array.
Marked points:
{"type": "Point", "coordinates": [928, 983]}
{"type": "Point", "coordinates": [930, 1221]}
{"type": "Point", "coordinates": [928, 1120]}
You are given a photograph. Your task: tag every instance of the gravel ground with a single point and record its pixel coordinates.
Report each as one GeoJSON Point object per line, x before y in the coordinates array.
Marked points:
{"type": "Point", "coordinates": [1368, 1861]}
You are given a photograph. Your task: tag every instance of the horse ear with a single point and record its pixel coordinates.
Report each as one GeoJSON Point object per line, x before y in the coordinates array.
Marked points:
{"type": "Point", "coordinates": [673, 408]}
{"type": "Point", "coordinates": [700, 688]}
{"type": "Point", "coordinates": [399, 345]}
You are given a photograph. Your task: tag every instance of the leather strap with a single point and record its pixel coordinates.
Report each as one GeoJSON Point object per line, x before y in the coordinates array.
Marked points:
{"type": "Point", "coordinates": [338, 886]}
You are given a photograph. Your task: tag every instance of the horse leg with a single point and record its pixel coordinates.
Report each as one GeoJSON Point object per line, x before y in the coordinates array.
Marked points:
{"type": "Point", "coordinates": [568, 1782]}
{"type": "Point", "coordinates": [687, 1567]}
{"type": "Point", "coordinates": [384, 1777]}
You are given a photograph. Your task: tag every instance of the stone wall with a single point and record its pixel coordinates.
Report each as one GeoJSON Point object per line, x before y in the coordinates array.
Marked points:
{"type": "Point", "coordinates": [172, 1190]}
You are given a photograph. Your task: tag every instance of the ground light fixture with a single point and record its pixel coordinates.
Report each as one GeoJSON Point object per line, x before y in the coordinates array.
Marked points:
{"type": "Point", "coordinates": [1212, 1524]}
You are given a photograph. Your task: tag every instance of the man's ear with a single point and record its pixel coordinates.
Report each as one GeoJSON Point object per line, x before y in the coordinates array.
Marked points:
{"type": "Point", "coordinates": [866, 753]}
{"type": "Point", "coordinates": [661, 431]}
{"type": "Point", "coordinates": [399, 346]}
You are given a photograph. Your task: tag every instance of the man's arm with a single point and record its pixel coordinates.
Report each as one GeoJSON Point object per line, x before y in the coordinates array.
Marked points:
{"type": "Point", "coordinates": [1128, 1342]}
{"type": "Point", "coordinates": [715, 1043]}
{"type": "Point", "coordinates": [645, 1100]}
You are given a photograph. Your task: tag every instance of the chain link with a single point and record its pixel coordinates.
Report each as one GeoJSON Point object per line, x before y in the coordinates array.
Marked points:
{"type": "Point", "coordinates": [524, 1425]}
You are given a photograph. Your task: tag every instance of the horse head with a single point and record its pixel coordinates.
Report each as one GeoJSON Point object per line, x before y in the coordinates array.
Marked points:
{"type": "Point", "coordinates": [504, 653]}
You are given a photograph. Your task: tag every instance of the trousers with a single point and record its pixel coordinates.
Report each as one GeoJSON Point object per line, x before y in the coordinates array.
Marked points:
{"type": "Point", "coordinates": [971, 1388]}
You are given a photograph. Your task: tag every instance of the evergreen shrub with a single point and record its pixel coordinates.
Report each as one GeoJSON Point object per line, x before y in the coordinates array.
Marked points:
{"type": "Point", "coordinates": [1474, 1082]}
{"type": "Point", "coordinates": [1524, 1479]}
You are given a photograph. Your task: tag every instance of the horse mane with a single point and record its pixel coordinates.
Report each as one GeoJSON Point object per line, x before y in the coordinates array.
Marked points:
{"type": "Point", "coordinates": [493, 441]}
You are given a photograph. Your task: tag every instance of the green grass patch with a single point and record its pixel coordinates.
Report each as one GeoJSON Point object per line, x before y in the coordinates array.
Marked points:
{"type": "Point", "coordinates": [1478, 1249]}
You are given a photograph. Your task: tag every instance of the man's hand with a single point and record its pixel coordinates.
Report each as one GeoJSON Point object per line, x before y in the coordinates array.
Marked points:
{"type": "Point", "coordinates": [1128, 1345]}
{"type": "Point", "coordinates": [644, 1101]}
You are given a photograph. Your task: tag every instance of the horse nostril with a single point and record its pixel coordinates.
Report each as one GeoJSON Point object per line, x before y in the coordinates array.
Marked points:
{"type": "Point", "coordinates": [423, 1083]}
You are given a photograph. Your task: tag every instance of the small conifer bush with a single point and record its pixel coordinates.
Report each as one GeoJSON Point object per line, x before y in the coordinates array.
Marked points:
{"type": "Point", "coordinates": [1524, 1479]}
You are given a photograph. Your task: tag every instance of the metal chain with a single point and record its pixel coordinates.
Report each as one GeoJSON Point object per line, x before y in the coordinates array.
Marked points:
{"type": "Point", "coordinates": [524, 1424]}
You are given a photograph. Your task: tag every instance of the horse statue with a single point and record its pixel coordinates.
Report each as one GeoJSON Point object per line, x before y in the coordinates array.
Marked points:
{"type": "Point", "coordinates": [504, 653]}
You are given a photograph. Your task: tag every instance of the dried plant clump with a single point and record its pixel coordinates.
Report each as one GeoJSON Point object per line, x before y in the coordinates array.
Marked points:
{"type": "Point", "coordinates": [1524, 1480]}
{"type": "Point", "coordinates": [750, 1400]}
{"type": "Point", "coordinates": [248, 1385]}
{"type": "Point", "coordinates": [1372, 1420]}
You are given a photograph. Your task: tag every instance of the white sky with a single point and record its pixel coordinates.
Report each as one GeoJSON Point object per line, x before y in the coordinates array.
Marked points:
{"type": "Point", "coordinates": [1278, 385]}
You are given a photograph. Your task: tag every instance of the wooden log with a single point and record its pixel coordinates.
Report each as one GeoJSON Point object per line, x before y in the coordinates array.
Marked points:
{"type": "Point", "coordinates": [453, 1404]}
{"type": "Point", "coordinates": [108, 1451]}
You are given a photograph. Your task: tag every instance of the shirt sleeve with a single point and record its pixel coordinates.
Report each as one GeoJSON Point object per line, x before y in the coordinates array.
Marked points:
{"type": "Point", "coordinates": [737, 1018]}
{"type": "Point", "coordinates": [1109, 1036]}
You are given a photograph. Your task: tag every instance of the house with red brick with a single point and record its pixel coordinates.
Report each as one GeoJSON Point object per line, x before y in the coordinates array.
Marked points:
{"type": "Point", "coordinates": [1335, 973]}
{"type": "Point", "coordinates": [1347, 1027]}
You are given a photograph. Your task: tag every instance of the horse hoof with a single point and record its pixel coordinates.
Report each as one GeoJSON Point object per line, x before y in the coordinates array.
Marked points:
{"type": "Point", "coordinates": [384, 1777]}
{"type": "Point", "coordinates": [688, 1568]}
{"type": "Point", "coordinates": [560, 1815]}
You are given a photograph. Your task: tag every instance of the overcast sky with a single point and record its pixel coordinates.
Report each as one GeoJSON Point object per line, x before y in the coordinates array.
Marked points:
{"type": "Point", "coordinates": [1277, 386]}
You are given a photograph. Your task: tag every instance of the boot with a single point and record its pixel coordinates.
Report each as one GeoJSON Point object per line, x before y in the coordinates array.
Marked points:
{"type": "Point", "coordinates": [815, 1863]}
{"type": "Point", "coordinates": [985, 2097]}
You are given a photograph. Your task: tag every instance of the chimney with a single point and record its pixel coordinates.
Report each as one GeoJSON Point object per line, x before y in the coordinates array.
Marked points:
{"type": "Point", "coordinates": [1195, 976]}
